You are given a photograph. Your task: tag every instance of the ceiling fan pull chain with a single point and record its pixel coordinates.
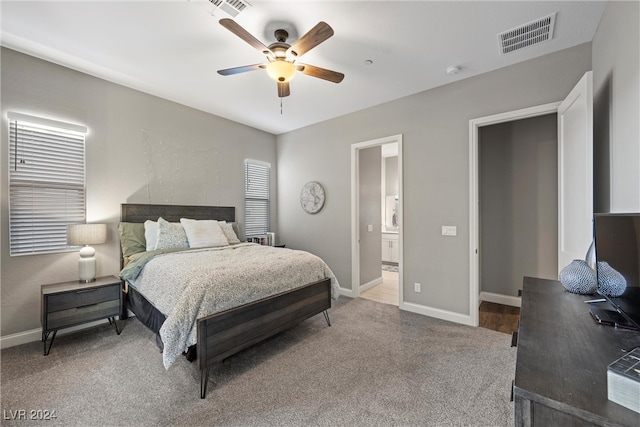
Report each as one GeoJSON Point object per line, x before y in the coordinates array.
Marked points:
{"type": "Point", "coordinates": [280, 106]}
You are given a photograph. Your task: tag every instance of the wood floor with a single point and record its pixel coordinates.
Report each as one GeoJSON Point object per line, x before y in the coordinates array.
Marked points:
{"type": "Point", "coordinates": [498, 317]}
{"type": "Point", "coordinates": [501, 318]}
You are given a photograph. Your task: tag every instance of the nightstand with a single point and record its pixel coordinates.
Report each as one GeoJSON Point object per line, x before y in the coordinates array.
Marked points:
{"type": "Point", "coordinates": [73, 303]}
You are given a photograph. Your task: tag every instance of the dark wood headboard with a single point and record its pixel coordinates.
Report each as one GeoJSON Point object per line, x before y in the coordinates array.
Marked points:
{"type": "Point", "coordinates": [134, 212]}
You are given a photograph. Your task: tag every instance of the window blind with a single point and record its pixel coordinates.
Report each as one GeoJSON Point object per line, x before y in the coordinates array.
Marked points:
{"type": "Point", "coordinates": [256, 199]}
{"type": "Point", "coordinates": [46, 183]}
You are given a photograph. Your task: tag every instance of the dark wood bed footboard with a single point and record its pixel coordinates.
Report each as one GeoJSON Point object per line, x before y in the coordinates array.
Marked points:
{"type": "Point", "coordinates": [226, 333]}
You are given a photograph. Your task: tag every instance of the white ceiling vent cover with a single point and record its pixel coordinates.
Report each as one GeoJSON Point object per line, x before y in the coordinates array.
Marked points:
{"type": "Point", "coordinates": [534, 32]}
{"type": "Point", "coordinates": [230, 7]}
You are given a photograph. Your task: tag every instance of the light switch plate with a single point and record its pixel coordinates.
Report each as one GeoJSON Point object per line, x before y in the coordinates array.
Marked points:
{"type": "Point", "coordinates": [369, 227]}
{"type": "Point", "coordinates": [449, 230]}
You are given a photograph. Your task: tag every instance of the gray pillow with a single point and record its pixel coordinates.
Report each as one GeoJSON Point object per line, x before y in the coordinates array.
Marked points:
{"type": "Point", "coordinates": [229, 232]}
{"type": "Point", "coordinates": [171, 235]}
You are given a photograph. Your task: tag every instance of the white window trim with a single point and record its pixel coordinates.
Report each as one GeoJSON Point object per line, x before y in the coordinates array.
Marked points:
{"type": "Point", "coordinates": [13, 116]}
{"type": "Point", "coordinates": [56, 223]}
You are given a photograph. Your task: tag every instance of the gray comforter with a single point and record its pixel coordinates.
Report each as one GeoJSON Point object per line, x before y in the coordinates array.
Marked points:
{"type": "Point", "coordinates": [190, 284]}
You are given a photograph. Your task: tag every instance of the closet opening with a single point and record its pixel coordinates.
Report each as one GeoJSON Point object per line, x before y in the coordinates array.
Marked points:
{"type": "Point", "coordinates": [514, 199]}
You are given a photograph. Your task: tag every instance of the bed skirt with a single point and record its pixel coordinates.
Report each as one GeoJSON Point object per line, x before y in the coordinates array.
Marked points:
{"type": "Point", "coordinates": [145, 312]}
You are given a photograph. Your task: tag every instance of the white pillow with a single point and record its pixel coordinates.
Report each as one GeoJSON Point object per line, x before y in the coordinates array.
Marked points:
{"type": "Point", "coordinates": [171, 235]}
{"type": "Point", "coordinates": [151, 234]}
{"type": "Point", "coordinates": [203, 233]}
{"type": "Point", "coordinates": [229, 232]}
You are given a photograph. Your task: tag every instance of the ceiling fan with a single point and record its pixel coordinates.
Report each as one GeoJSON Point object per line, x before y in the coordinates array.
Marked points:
{"type": "Point", "coordinates": [282, 57]}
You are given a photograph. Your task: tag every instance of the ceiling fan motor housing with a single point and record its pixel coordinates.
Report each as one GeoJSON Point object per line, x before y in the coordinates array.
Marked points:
{"type": "Point", "coordinates": [281, 35]}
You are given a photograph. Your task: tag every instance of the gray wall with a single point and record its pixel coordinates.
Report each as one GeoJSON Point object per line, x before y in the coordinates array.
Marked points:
{"type": "Point", "coordinates": [616, 88]}
{"type": "Point", "coordinates": [435, 129]}
{"type": "Point", "coordinates": [130, 133]}
{"type": "Point", "coordinates": [391, 175]}
{"type": "Point", "coordinates": [370, 164]}
{"type": "Point", "coordinates": [518, 203]}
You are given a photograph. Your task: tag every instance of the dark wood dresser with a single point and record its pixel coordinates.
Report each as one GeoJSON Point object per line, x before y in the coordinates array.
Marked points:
{"type": "Point", "coordinates": [562, 359]}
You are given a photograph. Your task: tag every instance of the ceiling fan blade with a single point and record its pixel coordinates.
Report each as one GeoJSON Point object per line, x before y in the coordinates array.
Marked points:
{"type": "Point", "coordinates": [238, 70]}
{"type": "Point", "coordinates": [283, 89]}
{"type": "Point", "coordinates": [236, 29]}
{"type": "Point", "coordinates": [321, 73]}
{"type": "Point", "coordinates": [311, 39]}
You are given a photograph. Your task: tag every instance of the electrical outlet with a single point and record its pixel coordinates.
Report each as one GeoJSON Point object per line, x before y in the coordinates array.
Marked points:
{"type": "Point", "coordinates": [416, 287]}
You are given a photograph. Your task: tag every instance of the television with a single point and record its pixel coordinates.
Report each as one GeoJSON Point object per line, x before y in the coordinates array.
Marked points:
{"type": "Point", "coordinates": [617, 242]}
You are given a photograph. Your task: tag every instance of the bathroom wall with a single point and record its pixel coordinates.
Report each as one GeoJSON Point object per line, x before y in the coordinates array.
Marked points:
{"type": "Point", "coordinates": [369, 222]}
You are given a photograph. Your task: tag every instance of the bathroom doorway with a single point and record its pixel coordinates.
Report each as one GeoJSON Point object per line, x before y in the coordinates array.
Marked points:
{"type": "Point", "coordinates": [387, 291]}
{"type": "Point", "coordinates": [377, 220]}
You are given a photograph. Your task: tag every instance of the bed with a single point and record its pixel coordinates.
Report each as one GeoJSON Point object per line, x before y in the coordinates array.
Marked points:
{"type": "Point", "coordinates": [220, 326]}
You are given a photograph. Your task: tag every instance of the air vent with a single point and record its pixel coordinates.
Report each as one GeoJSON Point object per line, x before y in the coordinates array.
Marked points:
{"type": "Point", "coordinates": [230, 7]}
{"type": "Point", "coordinates": [535, 32]}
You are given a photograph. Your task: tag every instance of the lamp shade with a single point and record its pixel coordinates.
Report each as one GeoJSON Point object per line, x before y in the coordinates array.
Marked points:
{"type": "Point", "coordinates": [86, 234]}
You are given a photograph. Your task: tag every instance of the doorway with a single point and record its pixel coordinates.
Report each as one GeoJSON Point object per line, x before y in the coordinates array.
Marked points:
{"type": "Point", "coordinates": [476, 244]}
{"type": "Point", "coordinates": [518, 209]}
{"type": "Point", "coordinates": [369, 213]}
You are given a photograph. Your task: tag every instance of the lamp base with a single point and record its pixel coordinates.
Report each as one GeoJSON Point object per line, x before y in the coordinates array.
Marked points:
{"type": "Point", "coordinates": [87, 265]}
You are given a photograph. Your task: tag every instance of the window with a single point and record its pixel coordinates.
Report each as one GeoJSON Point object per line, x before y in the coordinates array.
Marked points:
{"type": "Point", "coordinates": [256, 198]}
{"type": "Point", "coordinates": [46, 183]}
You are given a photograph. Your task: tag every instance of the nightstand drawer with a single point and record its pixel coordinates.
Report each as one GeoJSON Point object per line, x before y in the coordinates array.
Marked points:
{"type": "Point", "coordinates": [68, 304]}
{"type": "Point", "coordinates": [82, 297]}
{"type": "Point", "coordinates": [87, 313]}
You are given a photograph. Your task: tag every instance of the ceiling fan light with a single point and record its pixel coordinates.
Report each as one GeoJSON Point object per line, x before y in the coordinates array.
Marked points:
{"type": "Point", "coordinates": [281, 71]}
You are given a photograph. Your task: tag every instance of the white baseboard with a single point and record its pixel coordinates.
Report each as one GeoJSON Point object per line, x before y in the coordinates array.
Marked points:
{"type": "Point", "coordinates": [346, 292]}
{"type": "Point", "coordinates": [351, 294]}
{"type": "Point", "coordinates": [372, 284]}
{"type": "Point", "coordinates": [501, 299]}
{"type": "Point", "coordinates": [36, 334]}
{"type": "Point", "coordinates": [20, 338]}
{"type": "Point", "coordinates": [438, 313]}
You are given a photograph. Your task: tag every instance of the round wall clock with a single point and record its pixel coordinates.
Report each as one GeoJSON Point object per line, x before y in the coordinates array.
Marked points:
{"type": "Point", "coordinates": [312, 197]}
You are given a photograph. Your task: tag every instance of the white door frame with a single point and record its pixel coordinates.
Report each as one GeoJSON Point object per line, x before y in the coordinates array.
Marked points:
{"type": "Point", "coordinates": [355, 212]}
{"type": "Point", "coordinates": [474, 178]}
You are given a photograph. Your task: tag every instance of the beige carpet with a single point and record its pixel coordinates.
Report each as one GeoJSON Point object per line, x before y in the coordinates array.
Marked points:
{"type": "Point", "coordinates": [376, 366]}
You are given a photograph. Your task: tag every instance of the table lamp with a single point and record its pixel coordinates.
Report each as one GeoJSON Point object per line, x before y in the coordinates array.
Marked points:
{"type": "Point", "coordinates": [86, 234]}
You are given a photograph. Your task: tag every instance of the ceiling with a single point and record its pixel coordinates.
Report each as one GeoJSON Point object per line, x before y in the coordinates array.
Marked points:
{"type": "Point", "coordinates": [173, 48]}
